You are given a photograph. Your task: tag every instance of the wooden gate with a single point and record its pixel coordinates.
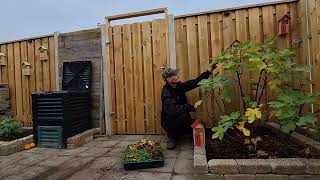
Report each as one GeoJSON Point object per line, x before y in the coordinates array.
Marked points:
{"type": "Point", "coordinates": [136, 54]}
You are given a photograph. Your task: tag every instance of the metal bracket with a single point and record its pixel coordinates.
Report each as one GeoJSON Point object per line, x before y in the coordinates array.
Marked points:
{"type": "Point", "coordinates": [112, 114]}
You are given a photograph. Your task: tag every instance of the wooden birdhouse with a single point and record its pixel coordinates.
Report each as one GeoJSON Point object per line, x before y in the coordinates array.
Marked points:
{"type": "Point", "coordinates": [235, 44]}
{"type": "Point", "coordinates": [43, 53]}
{"type": "Point", "coordinates": [3, 61]}
{"type": "Point", "coordinates": [198, 133]}
{"type": "Point", "coordinates": [284, 25]}
{"type": "Point", "coordinates": [26, 68]}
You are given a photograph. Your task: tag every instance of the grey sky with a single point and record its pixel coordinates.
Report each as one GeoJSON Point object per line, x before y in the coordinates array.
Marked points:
{"type": "Point", "coordinates": [27, 18]}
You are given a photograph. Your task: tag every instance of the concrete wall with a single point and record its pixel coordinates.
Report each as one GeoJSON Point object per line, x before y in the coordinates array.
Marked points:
{"type": "Point", "coordinates": [84, 46]}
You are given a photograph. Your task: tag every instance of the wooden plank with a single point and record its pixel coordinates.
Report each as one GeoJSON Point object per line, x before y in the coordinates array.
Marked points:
{"type": "Point", "coordinates": [138, 78]}
{"type": "Point", "coordinates": [137, 14]}
{"type": "Point", "coordinates": [193, 59]}
{"type": "Point", "coordinates": [216, 27]}
{"type": "Point", "coordinates": [242, 33]}
{"type": "Point", "coordinates": [255, 31]}
{"type": "Point", "coordinates": [229, 34]}
{"type": "Point", "coordinates": [164, 60]}
{"type": "Point", "coordinates": [18, 83]}
{"type": "Point", "coordinates": [26, 111]}
{"type": "Point", "coordinates": [172, 46]}
{"type": "Point", "coordinates": [32, 77]}
{"type": "Point", "coordinates": [128, 71]}
{"type": "Point", "coordinates": [112, 86]}
{"type": "Point", "coordinates": [268, 22]}
{"type": "Point", "coordinates": [120, 96]}
{"type": "Point", "coordinates": [52, 64]}
{"type": "Point", "coordinates": [207, 107]}
{"type": "Point", "coordinates": [46, 67]}
{"type": "Point", "coordinates": [4, 69]}
{"type": "Point", "coordinates": [148, 76]}
{"type": "Point", "coordinates": [11, 78]}
{"type": "Point", "coordinates": [281, 10]}
{"type": "Point", "coordinates": [181, 46]}
{"type": "Point", "coordinates": [158, 82]}
{"type": "Point", "coordinates": [38, 67]}
{"type": "Point", "coordinates": [56, 58]}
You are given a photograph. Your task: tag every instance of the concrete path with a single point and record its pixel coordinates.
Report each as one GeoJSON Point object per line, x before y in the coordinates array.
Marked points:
{"type": "Point", "coordinates": [98, 159]}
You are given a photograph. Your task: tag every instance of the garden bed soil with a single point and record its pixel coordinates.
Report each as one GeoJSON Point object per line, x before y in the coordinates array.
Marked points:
{"type": "Point", "coordinates": [233, 147]}
{"type": "Point", "coordinates": [22, 135]}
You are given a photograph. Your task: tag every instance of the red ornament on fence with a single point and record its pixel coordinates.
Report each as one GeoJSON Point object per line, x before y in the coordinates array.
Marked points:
{"type": "Point", "coordinates": [283, 24]}
{"type": "Point", "coordinates": [198, 133]}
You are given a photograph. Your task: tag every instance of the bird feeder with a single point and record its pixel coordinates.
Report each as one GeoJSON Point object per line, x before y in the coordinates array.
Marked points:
{"type": "Point", "coordinates": [26, 68]}
{"type": "Point", "coordinates": [198, 133]}
{"type": "Point", "coordinates": [3, 61]}
{"type": "Point", "coordinates": [43, 53]}
{"type": "Point", "coordinates": [283, 24]}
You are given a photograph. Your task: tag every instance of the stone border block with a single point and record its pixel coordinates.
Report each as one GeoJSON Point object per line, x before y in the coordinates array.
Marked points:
{"type": "Point", "coordinates": [223, 166]}
{"type": "Point", "coordinates": [312, 165]}
{"type": "Point", "coordinates": [287, 166]}
{"type": "Point", "coordinates": [254, 166]}
{"type": "Point", "coordinates": [271, 177]}
{"type": "Point", "coordinates": [82, 138]}
{"type": "Point", "coordinates": [7, 148]}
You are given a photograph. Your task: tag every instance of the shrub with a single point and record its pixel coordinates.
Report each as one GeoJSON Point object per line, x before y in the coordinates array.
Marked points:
{"type": "Point", "coordinates": [10, 129]}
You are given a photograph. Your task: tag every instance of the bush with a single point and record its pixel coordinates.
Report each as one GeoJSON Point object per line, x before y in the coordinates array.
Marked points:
{"type": "Point", "coordinates": [10, 129]}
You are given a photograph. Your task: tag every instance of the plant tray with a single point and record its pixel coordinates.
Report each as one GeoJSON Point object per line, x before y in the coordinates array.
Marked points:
{"type": "Point", "coordinates": [143, 164]}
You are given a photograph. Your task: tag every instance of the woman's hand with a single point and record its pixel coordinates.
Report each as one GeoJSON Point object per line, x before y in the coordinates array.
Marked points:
{"type": "Point", "coordinates": [212, 67]}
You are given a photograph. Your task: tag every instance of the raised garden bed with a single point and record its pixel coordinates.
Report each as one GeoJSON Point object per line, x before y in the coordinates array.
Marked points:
{"type": "Point", "coordinates": [285, 160]}
{"type": "Point", "coordinates": [12, 146]}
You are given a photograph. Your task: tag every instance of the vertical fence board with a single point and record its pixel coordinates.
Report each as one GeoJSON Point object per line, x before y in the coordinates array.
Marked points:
{"type": "Point", "coordinates": [4, 69]}
{"type": "Point", "coordinates": [52, 64]}
{"type": "Point", "coordinates": [11, 77]}
{"type": "Point", "coordinates": [46, 67]}
{"type": "Point", "coordinates": [207, 107]}
{"type": "Point", "coordinates": [138, 78]}
{"type": "Point", "coordinates": [31, 79]}
{"type": "Point", "coordinates": [25, 85]}
{"type": "Point", "coordinates": [119, 79]}
{"type": "Point", "coordinates": [148, 76]}
{"type": "Point", "coordinates": [18, 83]}
{"type": "Point", "coordinates": [128, 73]}
{"type": "Point", "coordinates": [193, 58]}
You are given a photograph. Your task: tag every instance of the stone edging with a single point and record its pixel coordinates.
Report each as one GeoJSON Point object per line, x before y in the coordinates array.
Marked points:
{"type": "Point", "coordinates": [82, 138]}
{"type": "Point", "coordinates": [7, 148]}
{"type": "Point", "coordinates": [293, 168]}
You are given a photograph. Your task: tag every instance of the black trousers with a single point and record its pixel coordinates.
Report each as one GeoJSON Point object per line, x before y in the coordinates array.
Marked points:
{"type": "Point", "coordinates": [177, 129]}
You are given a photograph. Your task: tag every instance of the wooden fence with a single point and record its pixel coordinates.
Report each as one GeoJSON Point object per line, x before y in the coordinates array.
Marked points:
{"type": "Point", "coordinates": [202, 37]}
{"type": "Point", "coordinates": [309, 11]}
{"type": "Point", "coordinates": [14, 69]}
{"type": "Point", "coordinates": [137, 51]}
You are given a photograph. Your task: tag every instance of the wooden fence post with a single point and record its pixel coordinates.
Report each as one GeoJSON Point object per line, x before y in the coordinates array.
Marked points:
{"type": "Point", "coordinates": [56, 57]}
{"type": "Point", "coordinates": [172, 42]}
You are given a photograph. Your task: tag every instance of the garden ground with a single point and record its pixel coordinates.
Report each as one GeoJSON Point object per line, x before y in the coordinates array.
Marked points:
{"type": "Point", "coordinates": [98, 159]}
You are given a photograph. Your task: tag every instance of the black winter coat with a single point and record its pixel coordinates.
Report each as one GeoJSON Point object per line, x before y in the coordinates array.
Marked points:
{"type": "Point", "coordinates": [176, 110]}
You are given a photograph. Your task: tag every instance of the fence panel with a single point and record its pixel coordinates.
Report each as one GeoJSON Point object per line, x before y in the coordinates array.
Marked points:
{"type": "Point", "coordinates": [42, 73]}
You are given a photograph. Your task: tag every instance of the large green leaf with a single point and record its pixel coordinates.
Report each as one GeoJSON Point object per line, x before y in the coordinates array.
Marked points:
{"type": "Point", "coordinates": [288, 127]}
{"type": "Point", "coordinates": [309, 118]}
{"type": "Point", "coordinates": [303, 69]}
{"type": "Point", "coordinates": [276, 104]}
{"type": "Point", "coordinates": [227, 96]}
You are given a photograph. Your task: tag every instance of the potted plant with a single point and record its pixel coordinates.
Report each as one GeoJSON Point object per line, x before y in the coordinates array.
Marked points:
{"type": "Point", "coordinates": [143, 154]}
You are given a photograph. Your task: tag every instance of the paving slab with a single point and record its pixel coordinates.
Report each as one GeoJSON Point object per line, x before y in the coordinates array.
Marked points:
{"type": "Point", "coordinates": [183, 177]}
{"type": "Point", "coordinates": [29, 173]}
{"type": "Point", "coordinates": [95, 152]}
{"type": "Point", "coordinates": [114, 152]}
{"type": "Point", "coordinates": [183, 166]}
{"type": "Point", "coordinates": [168, 166]}
{"type": "Point", "coordinates": [55, 160]}
{"type": "Point", "coordinates": [74, 152]}
{"type": "Point", "coordinates": [185, 154]}
{"type": "Point", "coordinates": [11, 169]}
{"type": "Point", "coordinates": [106, 144]}
{"type": "Point", "coordinates": [34, 159]}
{"type": "Point", "coordinates": [134, 175]}
{"type": "Point", "coordinates": [107, 163]}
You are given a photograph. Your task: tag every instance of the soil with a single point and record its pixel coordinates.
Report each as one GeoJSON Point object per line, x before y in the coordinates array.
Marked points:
{"type": "Point", "coordinates": [233, 147]}
{"type": "Point", "coordinates": [24, 134]}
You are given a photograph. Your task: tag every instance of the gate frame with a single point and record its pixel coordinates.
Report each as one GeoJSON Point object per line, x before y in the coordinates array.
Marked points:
{"type": "Point", "coordinates": [106, 58]}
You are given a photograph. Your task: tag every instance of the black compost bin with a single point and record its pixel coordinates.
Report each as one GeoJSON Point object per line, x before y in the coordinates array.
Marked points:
{"type": "Point", "coordinates": [68, 109]}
